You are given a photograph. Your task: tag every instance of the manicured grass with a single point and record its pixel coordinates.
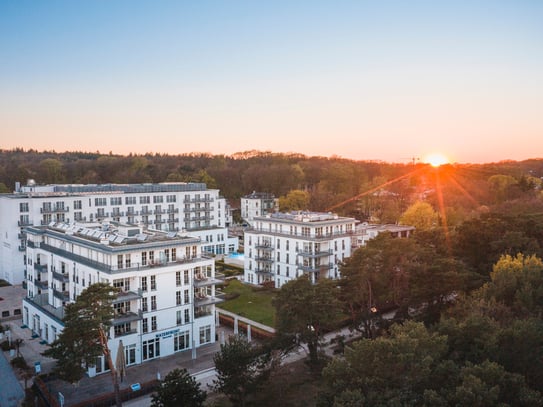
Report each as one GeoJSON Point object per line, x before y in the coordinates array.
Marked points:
{"type": "Point", "coordinates": [253, 303]}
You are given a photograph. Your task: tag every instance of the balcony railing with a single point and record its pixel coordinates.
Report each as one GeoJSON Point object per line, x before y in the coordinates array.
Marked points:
{"type": "Point", "coordinates": [315, 269]}
{"type": "Point", "coordinates": [173, 210]}
{"type": "Point", "coordinates": [55, 209]}
{"type": "Point", "coordinates": [265, 259]}
{"type": "Point", "coordinates": [125, 296]}
{"type": "Point", "coordinates": [206, 281]}
{"type": "Point", "coordinates": [314, 254]}
{"type": "Point", "coordinates": [24, 223]}
{"type": "Point", "coordinates": [265, 272]}
{"type": "Point", "coordinates": [42, 268]}
{"type": "Point", "coordinates": [43, 284]}
{"type": "Point", "coordinates": [61, 295]}
{"type": "Point", "coordinates": [65, 278]}
{"type": "Point", "coordinates": [201, 301]}
{"type": "Point", "coordinates": [264, 246]}
{"type": "Point", "coordinates": [127, 317]}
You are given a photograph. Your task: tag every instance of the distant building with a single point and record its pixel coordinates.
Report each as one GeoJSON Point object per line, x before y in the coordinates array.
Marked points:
{"type": "Point", "coordinates": [170, 207]}
{"type": "Point", "coordinates": [167, 298]}
{"type": "Point", "coordinates": [282, 246]}
{"type": "Point", "coordinates": [367, 231]}
{"type": "Point", "coordinates": [257, 204]}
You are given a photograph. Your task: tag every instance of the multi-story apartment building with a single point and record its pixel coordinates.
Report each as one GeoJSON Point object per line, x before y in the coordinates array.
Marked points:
{"type": "Point", "coordinates": [282, 246]}
{"type": "Point", "coordinates": [166, 299]}
{"type": "Point", "coordinates": [189, 207]}
{"type": "Point", "coordinates": [257, 204]}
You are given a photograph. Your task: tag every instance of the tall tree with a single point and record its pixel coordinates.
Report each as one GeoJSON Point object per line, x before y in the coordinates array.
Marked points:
{"type": "Point", "coordinates": [241, 368]}
{"type": "Point", "coordinates": [294, 201]}
{"type": "Point", "coordinates": [304, 311]}
{"type": "Point", "coordinates": [421, 215]}
{"type": "Point", "coordinates": [86, 325]}
{"type": "Point", "coordinates": [179, 388]}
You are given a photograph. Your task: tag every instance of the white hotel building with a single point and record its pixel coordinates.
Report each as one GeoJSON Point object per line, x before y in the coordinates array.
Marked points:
{"type": "Point", "coordinates": [184, 207]}
{"type": "Point", "coordinates": [282, 246]}
{"type": "Point", "coordinates": [166, 302]}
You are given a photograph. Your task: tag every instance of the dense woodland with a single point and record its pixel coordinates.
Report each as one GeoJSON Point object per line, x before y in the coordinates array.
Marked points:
{"type": "Point", "coordinates": [467, 289]}
{"type": "Point", "coordinates": [384, 190]}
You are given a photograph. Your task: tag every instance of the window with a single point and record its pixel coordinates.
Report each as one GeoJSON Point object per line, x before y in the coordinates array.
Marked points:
{"type": "Point", "coordinates": [287, 244]}
{"type": "Point", "coordinates": [205, 334]}
{"type": "Point", "coordinates": [145, 200]}
{"type": "Point", "coordinates": [127, 261]}
{"type": "Point", "coordinates": [153, 323]}
{"type": "Point", "coordinates": [181, 341]}
{"type": "Point", "coordinates": [130, 200]}
{"type": "Point", "coordinates": [130, 354]}
{"type": "Point", "coordinates": [100, 201]}
{"type": "Point", "coordinates": [170, 198]}
{"type": "Point", "coordinates": [151, 257]}
{"type": "Point", "coordinates": [153, 303]}
{"type": "Point", "coordinates": [179, 317]}
{"type": "Point", "coordinates": [116, 200]}
{"type": "Point", "coordinates": [144, 306]}
{"type": "Point", "coordinates": [122, 329]}
{"type": "Point", "coordinates": [151, 348]}
{"type": "Point", "coordinates": [78, 216]}
{"type": "Point", "coordinates": [144, 284]}
{"type": "Point", "coordinates": [158, 199]}
{"type": "Point", "coordinates": [186, 277]}
{"type": "Point", "coordinates": [178, 297]}
{"type": "Point", "coordinates": [143, 258]}
{"type": "Point", "coordinates": [119, 261]}
{"type": "Point", "coordinates": [153, 282]}
{"type": "Point", "coordinates": [145, 325]}
{"type": "Point", "coordinates": [278, 243]}
{"type": "Point", "coordinates": [178, 278]}
{"type": "Point", "coordinates": [123, 284]}
{"type": "Point", "coordinates": [187, 316]}
{"type": "Point", "coordinates": [167, 255]}
{"type": "Point", "coordinates": [186, 296]}
{"type": "Point", "coordinates": [23, 207]}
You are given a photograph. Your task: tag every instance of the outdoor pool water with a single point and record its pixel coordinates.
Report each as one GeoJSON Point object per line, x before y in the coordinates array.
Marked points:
{"type": "Point", "coordinates": [236, 256]}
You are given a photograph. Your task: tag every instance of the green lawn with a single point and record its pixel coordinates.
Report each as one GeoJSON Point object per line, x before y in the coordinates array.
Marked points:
{"type": "Point", "coordinates": [253, 303]}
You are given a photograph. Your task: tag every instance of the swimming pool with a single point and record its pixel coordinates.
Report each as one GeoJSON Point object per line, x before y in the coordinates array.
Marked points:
{"type": "Point", "coordinates": [236, 256]}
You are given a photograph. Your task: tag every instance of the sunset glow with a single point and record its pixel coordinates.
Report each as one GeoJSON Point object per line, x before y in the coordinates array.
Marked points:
{"type": "Point", "coordinates": [436, 159]}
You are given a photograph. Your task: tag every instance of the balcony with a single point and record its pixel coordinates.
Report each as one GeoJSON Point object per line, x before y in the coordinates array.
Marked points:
{"type": "Point", "coordinates": [65, 278]}
{"type": "Point", "coordinates": [201, 199]}
{"type": "Point", "coordinates": [146, 212]}
{"type": "Point", "coordinates": [43, 284]}
{"type": "Point", "coordinates": [24, 223]}
{"type": "Point", "coordinates": [21, 235]}
{"type": "Point", "coordinates": [202, 301]}
{"type": "Point", "coordinates": [202, 312]}
{"type": "Point", "coordinates": [316, 269]}
{"type": "Point", "coordinates": [61, 295]}
{"type": "Point", "coordinates": [125, 296]}
{"type": "Point", "coordinates": [265, 259]}
{"type": "Point", "coordinates": [55, 209]}
{"type": "Point", "coordinates": [203, 281]}
{"type": "Point", "coordinates": [173, 210]}
{"type": "Point", "coordinates": [264, 272]}
{"type": "Point", "coordinates": [159, 221]}
{"type": "Point", "coordinates": [264, 246]}
{"type": "Point", "coordinates": [42, 268]}
{"type": "Point", "coordinates": [127, 317]}
{"type": "Point", "coordinates": [315, 254]}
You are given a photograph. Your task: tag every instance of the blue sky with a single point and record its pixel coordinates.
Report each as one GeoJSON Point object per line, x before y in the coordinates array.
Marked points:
{"type": "Point", "coordinates": [365, 80]}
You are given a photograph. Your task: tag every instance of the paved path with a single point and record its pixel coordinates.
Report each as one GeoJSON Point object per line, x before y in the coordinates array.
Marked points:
{"type": "Point", "coordinates": [11, 391]}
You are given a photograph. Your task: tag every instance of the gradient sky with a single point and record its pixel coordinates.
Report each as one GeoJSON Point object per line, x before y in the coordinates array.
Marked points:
{"type": "Point", "coordinates": [370, 80]}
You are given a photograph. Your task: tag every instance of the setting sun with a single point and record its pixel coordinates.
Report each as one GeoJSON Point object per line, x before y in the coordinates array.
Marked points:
{"type": "Point", "coordinates": [436, 159]}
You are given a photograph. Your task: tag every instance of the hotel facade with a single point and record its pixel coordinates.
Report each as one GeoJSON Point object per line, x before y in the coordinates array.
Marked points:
{"type": "Point", "coordinates": [283, 246]}
{"type": "Point", "coordinates": [170, 207]}
{"type": "Point", "coordinates": [166, 286]}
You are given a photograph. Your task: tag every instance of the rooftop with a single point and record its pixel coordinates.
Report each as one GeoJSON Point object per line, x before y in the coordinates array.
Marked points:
{"type": "Point", "coordinates": [305, 216]}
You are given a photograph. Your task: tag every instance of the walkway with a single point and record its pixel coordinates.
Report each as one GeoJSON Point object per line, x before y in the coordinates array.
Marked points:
{"type": "Point", "coordinates": [11, 391]}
